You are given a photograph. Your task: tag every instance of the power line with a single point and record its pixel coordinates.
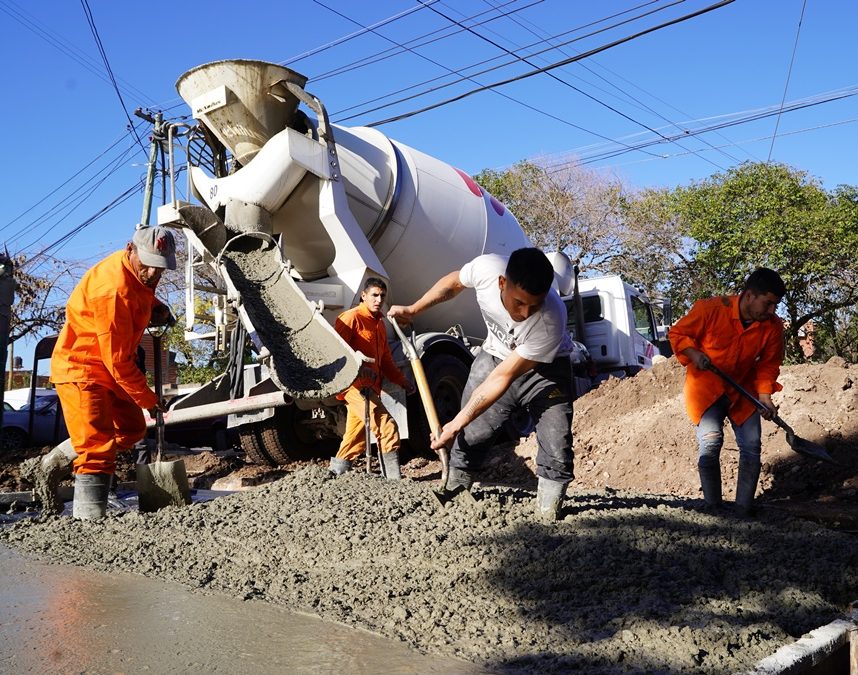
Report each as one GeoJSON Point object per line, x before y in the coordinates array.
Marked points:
{"type": "Point", "coordinates": [552, 66]}
{"type": "Point", "coordinates": [103, 53]}
{"type": "Point", "coordinates": [363, 31]}
{"type": "Point", "coordinates": [786, 84]}
{"type": "Point", "coordinates": [416, 43]}
{"type": "Point", "coordinates": [78, 229]}
{"type": "Point", "coordinates": [505, 63]}
{"type": "Point", "coordinates": [796, 132]}
{"type": "Point", "coordinates": [634, 100]}
{"type": "Point", "coordinates": [440, 65]}
{"type": "Point", "coordinates": [753, 117]}
{"type": "Point", "coordinates": [555, 77]}
{"type": "Point", "coordinates": [64, 183]}
{"type": "Point", "coordinates": [62, 45]}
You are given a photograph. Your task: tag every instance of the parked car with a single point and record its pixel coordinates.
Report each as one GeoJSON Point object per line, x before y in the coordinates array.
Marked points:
{"type": "Point", "coordinates": [46, 429]}
{"type": "Point", "coordinates": [18, 397]}
{"type": "Point", "coordinates": [15, 433]}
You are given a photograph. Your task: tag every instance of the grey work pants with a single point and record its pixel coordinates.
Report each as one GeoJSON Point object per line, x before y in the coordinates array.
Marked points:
{"type": "Point", "coordinates": [546, 392]}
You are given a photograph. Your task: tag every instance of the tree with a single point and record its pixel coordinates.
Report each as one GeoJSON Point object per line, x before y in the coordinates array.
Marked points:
{"type": "Point", "coordinates": [771, 215]}
{"type": "Point", "coordinates": [570, 209]}
{"type": "Point", "coordinates": [40, 299]}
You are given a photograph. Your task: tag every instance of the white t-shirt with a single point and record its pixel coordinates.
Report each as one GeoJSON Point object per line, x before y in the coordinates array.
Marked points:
{"type": "Point", "coordinates": [541, 337]}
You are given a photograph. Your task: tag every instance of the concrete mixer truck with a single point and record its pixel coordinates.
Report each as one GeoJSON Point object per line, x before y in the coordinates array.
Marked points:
{"type": "Point", "coordinates": [291, 215]}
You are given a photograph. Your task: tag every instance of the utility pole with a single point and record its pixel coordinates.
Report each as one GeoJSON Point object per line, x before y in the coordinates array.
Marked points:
{"type": "Point", "coordinates": [7, 296]}
{"type": "Point", "coordinates": [155, 143]}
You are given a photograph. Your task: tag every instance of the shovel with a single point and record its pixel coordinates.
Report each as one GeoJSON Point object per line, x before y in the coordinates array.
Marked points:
{"type": "Point", "coordinates": [161, 484]}
{"type": "Point", "coordinates": [800, 445]}
{"type": "Point", "coordinates": [425, 395]}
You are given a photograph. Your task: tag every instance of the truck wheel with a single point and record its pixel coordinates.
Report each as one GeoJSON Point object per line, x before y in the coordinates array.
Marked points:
{"type": "Point", "coordinates": [252, 446]}
{"type": "Point", "coordinates": [447, 376]}
{"type": "Point", "coordinates": [282, 439]}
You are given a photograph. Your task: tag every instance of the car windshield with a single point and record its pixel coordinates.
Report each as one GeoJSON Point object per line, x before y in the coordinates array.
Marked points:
{"type": "Point", "coordinates": [43, 403]}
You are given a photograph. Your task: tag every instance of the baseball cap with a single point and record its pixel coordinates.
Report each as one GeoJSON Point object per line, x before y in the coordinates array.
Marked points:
{"type": "Point", "coordinates": [156, 247]}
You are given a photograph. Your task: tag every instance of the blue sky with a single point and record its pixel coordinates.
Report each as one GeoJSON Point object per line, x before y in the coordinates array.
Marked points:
{"type": "Point", "coordinates": [61, 113]}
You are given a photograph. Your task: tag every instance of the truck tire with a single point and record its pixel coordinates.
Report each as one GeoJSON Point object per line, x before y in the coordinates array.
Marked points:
{"type": "Point", "coordinates": [282, 440]}
{"type": "Point", "coordinates": [447, 376]}
{"type": "Point", "coordinates": [252, 446]}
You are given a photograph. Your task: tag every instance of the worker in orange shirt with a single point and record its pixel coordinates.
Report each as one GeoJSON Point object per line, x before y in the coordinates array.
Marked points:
{"type": "Point", "coordinates": [102, 390]}
{"type": "Point", "coordinates": [363, 329]}
{"type": "Point", "coordinates": [742, 337]}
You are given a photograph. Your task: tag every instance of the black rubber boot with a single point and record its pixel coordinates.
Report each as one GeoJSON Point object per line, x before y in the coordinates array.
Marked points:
{"type": "Point", "coordinates": [391, 465]}
{"type": "Point", "coordinates": [710, 481]}
{"type": "Point", "coordinates": [339, 466]}
{"type": "Point", "coordinates": [458, 480]}
{"type": "Point", "coordinates": [746, 487]}
{"type": "Point", "coordinates": [549, 497]}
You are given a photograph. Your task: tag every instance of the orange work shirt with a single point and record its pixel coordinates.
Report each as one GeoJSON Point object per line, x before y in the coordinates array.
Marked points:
{"type": "Point", "coordinates": [367, 334]}
{"type": "Point", "coordinates": [106, 315]}
{"type": "Point", "coordinates": [752, 356]}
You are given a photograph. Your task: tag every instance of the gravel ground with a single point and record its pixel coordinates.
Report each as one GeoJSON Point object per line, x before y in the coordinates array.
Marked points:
{"type": "Point", "coordinates": [624, 583]}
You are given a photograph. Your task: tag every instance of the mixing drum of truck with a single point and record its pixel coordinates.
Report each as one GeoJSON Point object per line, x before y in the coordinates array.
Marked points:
{"type": "Point", "coordinates": [294, 214]}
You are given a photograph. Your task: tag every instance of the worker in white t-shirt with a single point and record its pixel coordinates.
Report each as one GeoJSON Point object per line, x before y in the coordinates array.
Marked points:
{"type": "Point", "coordinates": [523, 363]}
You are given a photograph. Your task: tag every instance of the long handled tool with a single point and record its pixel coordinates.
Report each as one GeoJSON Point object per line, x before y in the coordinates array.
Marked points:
{"type": "Point", "coordinates": [425, 395]}
{"type": "Point", "coordinates": [161, 483]}
{"type": "Point", "coordinates": [800, 445]}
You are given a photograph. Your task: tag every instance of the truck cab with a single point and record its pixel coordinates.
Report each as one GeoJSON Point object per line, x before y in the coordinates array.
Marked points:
{"type": "Point", "coordinates": [619, 326]}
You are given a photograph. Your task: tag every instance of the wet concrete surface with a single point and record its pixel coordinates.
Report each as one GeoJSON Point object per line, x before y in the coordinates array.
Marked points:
{"type": "Point", "coordinates": [57, 618]}
{"type": "Point", "coordinates": [624, 583]}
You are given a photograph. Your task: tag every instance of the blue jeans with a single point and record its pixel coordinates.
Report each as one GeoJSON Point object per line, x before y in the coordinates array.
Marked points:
{"type": "Point", "coordinates": [710, 435]}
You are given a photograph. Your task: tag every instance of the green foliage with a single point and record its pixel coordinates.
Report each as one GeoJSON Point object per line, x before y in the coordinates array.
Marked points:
{"type": "Point", "coordinates": [704, 239]}
{"type": "Point", "coordinates": [770, 215]}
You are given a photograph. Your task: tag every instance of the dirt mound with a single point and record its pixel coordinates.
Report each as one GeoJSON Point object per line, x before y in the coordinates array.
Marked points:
{"type": "Point", "coordinates": [625, 583]}
{"type": "Point", "coordinates": [634, 434]}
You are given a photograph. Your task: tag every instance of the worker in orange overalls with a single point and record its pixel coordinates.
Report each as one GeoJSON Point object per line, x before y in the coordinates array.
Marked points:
{"type": "Point", "coordinates": [363, 329]}
{"type": "Point", "coordinates": [102, 390]}
{"type": "Point", "coordinates": [742, 337]}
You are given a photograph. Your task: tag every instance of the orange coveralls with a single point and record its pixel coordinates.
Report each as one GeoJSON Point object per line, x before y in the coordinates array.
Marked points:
{"type": "Point", "coordinates": [101, 389]}
{"type": "Point", "coordinates": [752, 356]}
{"type": "Point", "coordinates": [365, 333]}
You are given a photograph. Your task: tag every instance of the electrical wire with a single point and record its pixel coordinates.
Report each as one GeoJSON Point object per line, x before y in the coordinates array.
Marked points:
{"type": "Point", "coordinates": [559, 79]}
{"type": "Point", "coordinates": [563, 62]}
{"type": "Point", "coordinates": [58, 42]}
{"type": "Point", "coordinates": [137, 187]}
{"type": "Point", "coordinates": [789, 75]}
{"type": "Point", "coordinates": [64, 183]}
{"type": "Point", "coordinates": [100, 46]}
{"type": "Point", "coordinates": [506, 96]}
{"type": "Point", "coordinates": [504, 63]}
{"type": "Point", "coordinates": [797, 105]}
{"type": "Point", "coordinates": [426, 39]}
{"type": "Point", "coordinates": [636, 102]}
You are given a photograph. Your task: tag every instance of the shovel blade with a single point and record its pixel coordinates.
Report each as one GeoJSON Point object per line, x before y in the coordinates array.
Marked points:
{"type": "Point", "coordinates": [809, 449]}
{"type": "Point", "coordinates": [162, 484]}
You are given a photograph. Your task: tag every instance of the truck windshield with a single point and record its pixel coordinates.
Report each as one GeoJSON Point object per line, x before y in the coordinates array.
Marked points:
{"type": "Point", "coordinates": [643, 319]}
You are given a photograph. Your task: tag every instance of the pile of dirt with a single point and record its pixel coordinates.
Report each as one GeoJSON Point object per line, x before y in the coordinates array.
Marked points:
{"type": "Point", "coordinates": [625, 583]}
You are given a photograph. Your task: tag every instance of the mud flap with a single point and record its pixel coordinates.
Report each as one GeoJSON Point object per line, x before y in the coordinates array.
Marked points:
{"type": "Point", "coordinates": [306, 357]}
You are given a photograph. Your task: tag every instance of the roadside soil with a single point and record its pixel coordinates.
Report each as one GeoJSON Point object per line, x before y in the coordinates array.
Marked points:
{"type": "Point", "coordinates": [634, 578]}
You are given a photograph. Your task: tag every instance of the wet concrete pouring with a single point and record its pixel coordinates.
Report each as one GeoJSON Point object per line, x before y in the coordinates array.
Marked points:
{"type": "Point", "coordinates": [631, 579]}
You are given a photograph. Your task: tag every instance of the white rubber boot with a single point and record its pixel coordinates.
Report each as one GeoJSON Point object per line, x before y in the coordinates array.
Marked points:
{"type": "Point", "coordinates": [90, 495]}
{"type": "Point", "coordinates": [549, 497]}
